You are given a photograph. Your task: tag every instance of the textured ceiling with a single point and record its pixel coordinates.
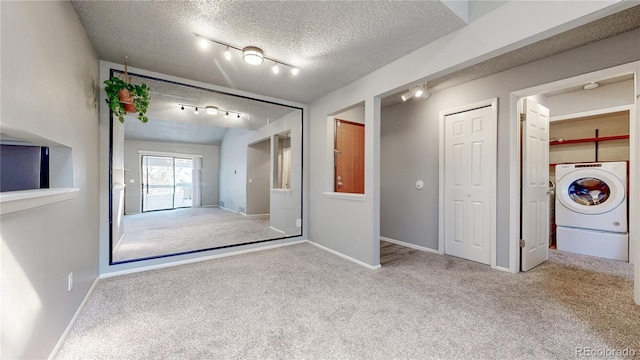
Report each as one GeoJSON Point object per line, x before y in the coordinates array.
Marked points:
{"type": "Point", "coordinates": [332, 42]}
{"type": "Point", "coordinates": [612, 25]}
{"type": "Point", "coordinates": [168, 123]}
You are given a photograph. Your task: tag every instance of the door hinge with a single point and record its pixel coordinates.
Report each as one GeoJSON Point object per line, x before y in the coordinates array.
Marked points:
{"type": "Point", "coordinates": [523, 117]}
{"type": "Point", "coordinates": [522, 242]}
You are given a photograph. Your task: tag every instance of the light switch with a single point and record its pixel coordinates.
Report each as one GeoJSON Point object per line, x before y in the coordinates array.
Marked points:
{"type": "Point", "coordinates": [131, 181]}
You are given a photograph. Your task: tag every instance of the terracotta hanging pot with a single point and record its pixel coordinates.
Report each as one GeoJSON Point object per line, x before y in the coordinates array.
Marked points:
{"type": "Point", "coordinates": [127, 100]}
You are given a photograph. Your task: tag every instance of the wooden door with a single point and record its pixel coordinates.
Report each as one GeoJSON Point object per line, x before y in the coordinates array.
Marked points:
{"type": "Point", "coordinates": [470, 165]}
{"type": "Point", "coordinates": [535, 184]}
{"type": "Point", "coordinates": [349, 157]}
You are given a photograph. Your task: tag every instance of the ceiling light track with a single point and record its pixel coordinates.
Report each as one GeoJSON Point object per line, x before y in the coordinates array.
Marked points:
{"type": "Point", "coordinates": [211, 110]}
{"type": "Point", "coordinates": [420, 91]}
{"type": "Point", "coordinates": [251, 54]}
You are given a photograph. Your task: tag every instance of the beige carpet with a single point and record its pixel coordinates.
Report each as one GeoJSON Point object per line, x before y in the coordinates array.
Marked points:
{"type": "Point", "coordinates": [174, 231]}
{"type": "Point", "coordinates": [300, 302]}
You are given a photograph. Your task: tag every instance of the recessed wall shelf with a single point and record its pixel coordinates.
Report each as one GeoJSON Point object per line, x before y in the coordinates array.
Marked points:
{"type": "Point", "coordinates": [12, 201]}
{"type": "Point", "coordinates": [61, 179]}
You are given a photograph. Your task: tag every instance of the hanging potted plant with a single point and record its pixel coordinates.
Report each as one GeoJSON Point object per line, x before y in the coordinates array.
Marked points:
{"type": "Point", "coordinates": [124, 97]}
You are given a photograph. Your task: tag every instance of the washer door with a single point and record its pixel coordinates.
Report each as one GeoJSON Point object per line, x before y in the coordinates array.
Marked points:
{"type": "Point", "coordinates": [586, 191]}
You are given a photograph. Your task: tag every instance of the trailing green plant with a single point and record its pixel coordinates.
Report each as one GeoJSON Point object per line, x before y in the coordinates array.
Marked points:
{"type": "Point", "coordinates": [139, 94]}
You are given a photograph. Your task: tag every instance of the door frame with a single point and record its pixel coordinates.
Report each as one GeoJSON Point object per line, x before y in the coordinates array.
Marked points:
{"type": "Point", "coordinates": [142, 153]}
{"type": "Point", "coordinates": [493, 102]}
{"type": "Point", "coordinates": [515, 163]}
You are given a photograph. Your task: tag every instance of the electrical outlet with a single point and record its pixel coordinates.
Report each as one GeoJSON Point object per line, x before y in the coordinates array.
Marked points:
{"type": "Point", "coordinates": [70, 281]}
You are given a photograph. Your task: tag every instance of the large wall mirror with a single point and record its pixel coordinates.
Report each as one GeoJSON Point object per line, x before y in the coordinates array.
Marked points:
{"type": "Point", "coordinates": [209, 170]}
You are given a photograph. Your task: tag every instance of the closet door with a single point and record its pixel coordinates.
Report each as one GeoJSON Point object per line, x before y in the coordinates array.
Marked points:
{"type": "Point", "coordinates": [470, 168]}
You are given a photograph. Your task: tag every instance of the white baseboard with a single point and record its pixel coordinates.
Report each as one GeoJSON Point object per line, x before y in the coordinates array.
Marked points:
{"type": "Point", "coordinates": [361, 263]}
{"type": "Point", "coordinates": [224, 208]}
{"type": "Point", "coordinates": [209, 206]}
{"type": "Point", "coordinates": [256, 215]}
{"type": "Point", "coordinates": [199, 259]}
{"type": "Point", "coordinates": [409, 245]}
{"type": "Point", "coordinates": [278, 230]}
{"type": "Point", "coordinates": [66, 332]}
{"type": "Point", "coordinates": [502, 269]}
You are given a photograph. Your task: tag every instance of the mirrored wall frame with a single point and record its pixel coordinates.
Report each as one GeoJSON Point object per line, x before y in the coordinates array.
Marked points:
{"type": "Point", "coordinates": [286, 200]}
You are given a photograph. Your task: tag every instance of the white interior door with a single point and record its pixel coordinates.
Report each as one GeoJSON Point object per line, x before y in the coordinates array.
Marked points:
{"type": "Point", "coordinates": [469, 183]}
{"type": "Point", "coordinates": [535, 184]}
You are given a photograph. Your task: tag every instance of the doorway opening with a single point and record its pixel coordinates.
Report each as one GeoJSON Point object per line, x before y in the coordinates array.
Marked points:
{"type": "Point", "coordinates": [167, 183]}
{"type": "Point", "coordinates": [259, 177]}
{"type": "Point", "coordinates": [588, 173]}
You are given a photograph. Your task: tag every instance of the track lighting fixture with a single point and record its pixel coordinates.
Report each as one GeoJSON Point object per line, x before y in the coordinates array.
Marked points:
{"type": "Point", "coordinates": [226, 115]}
{"type": "Point", "coordinates": [252, 55]}
{"type": "Point", "coordinates": [590, 86]}
{"type": "Point", "coordinates": [418, 91]}
{"type": "Point", "coordinates": [210, 110]}
{"type": "Point", "coordinates": [204, 44]}
{"type": "Point", "coordinates": [425, 93]}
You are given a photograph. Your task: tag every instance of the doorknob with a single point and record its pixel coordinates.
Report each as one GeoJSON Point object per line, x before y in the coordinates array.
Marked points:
{"type": "Point", "coordinates": [340, 184]}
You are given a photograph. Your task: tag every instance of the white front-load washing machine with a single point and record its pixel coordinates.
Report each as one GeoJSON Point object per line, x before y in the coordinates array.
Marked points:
{"type": "Point", "coordinates": [591, 209]}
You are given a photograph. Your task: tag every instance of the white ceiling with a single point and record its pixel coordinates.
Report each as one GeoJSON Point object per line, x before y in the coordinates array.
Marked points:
{"type": "Point", "coordinates": [608, 26]}
{"type": "Point", "coordinates": [332, 42]}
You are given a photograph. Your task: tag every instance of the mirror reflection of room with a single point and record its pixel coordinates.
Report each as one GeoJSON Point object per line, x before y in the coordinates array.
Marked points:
{"type": "Point", "coordinates": [188, 181]}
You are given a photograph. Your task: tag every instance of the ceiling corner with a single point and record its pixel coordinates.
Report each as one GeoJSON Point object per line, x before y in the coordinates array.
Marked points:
{"type": "Point", "coordinates": [459, 7]}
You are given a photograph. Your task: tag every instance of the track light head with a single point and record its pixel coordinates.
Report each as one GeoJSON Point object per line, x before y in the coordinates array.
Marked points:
{"type": "Point", "coordinates": [406, 96]}
{"type": "Point", "coordinates": [226, 114]}
{"type": "Point", "coordinates": [203, 43]}
{"type": "Point", "coordinates": [425, 93]}
{"type": "Point", "coordinates": [295, 71]}
{"type": "Point", "coordinates": [275, 68]}
{"type": "Point", "coordinates": [196, 111]}
{"type": "Point", "coordinates": [182, 107]}
{"type": "Point", "coordinates": [238, 116]}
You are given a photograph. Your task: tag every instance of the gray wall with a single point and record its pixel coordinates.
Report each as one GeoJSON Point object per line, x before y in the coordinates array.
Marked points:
{"type": "Point", "coordinates": [258, 177]}
{"type": "Point", "coordinates": [411, 129]}
{"type": "Point", "coordinates": [210, 169]}
{"type": "Point", "coordinates": [49, 87]}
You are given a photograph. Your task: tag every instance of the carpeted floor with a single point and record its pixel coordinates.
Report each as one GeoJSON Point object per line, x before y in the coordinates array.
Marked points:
{"type": "Point", "coordinates": [300, 302]}
{"type": "Point", "coordinates": [173, 231]}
